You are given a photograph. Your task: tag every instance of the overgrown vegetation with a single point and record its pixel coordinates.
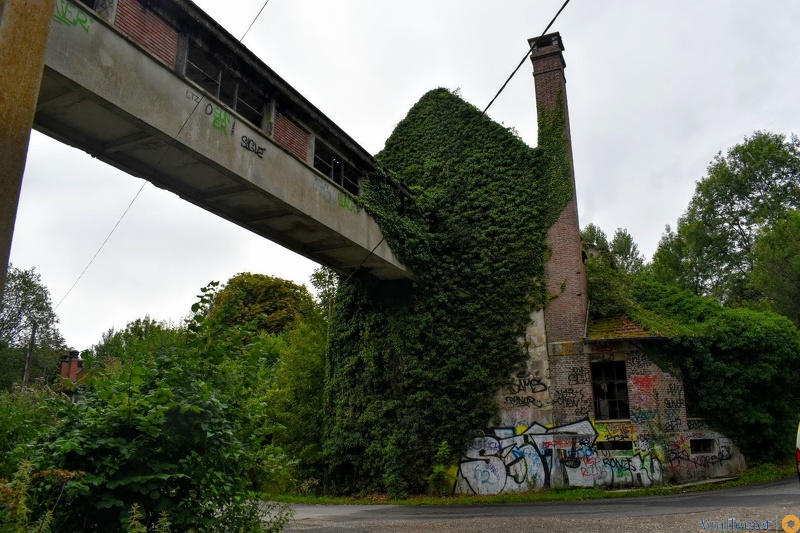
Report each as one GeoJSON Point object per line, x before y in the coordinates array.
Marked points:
{"type": "Point", "coordinates": [740, 367]}
{"type": "Point", "coordinates": [177, 427]}
{"type": "Point", "coordinates": [733, 256]}
{"type": "Point", "coordinates": [406, 375]}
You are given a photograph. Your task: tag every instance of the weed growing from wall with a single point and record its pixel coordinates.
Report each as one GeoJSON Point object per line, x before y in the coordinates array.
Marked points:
{"type": "Point", "coordinates": [412, 367]}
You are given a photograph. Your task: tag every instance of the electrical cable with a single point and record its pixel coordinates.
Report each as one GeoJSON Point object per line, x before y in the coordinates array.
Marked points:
{"type": "Point", "coordinates": [254, 21]}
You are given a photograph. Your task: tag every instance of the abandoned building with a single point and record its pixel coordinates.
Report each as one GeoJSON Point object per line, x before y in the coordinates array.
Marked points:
{"type": "Point", "coordinates": [590, 409]}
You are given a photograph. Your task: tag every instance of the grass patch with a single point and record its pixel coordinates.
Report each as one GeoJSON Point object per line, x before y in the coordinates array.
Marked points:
{"type": "Point", "coordinates": [756, 474]}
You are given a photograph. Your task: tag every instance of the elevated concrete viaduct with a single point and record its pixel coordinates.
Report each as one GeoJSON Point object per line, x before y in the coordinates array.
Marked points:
{"type": "Point", "coordinates": [160, 91]}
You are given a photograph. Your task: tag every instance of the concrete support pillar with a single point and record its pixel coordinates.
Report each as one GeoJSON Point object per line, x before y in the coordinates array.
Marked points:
{"type": "Point", "coordinates": [24, 25]}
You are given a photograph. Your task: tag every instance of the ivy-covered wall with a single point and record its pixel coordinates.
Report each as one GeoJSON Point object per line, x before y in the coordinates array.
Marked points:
{"type": "Point", "coordinates": [405, 375]}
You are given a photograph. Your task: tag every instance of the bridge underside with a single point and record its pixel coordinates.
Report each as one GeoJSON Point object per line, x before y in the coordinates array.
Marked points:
{"type": "Point", "coordinates": [102, 94]}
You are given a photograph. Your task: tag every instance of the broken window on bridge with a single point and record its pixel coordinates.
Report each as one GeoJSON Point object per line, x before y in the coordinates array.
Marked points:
{"type": "Point", "coordinates": [610, 388]}
{"type": "Point", "coordinates": [91, 4]}
{"type": "Point", "coordinates": [226, 85]}
{"type": "Point", "coordinates": [336, 168]}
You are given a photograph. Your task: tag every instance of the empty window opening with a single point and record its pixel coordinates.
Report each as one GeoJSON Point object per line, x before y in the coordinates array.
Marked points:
{"type": "Point", "coordinates": [226, 85]}
{"type": "Point", "coordinates": [701, 445]}
{"type": "Point", "coordinates": [335, 168]}
{"type": "Point", "coordinates": [615, 445]}
{"type": "Point", "coordinates": [610, 388]}
{"type": "Point", "coordinates": [204, 72]}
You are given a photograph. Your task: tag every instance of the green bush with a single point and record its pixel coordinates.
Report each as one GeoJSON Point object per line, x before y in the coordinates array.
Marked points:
{"type": "Point", "coordinates": [24, 414]}
{"type": "Point", "coordinates": [172, 430]}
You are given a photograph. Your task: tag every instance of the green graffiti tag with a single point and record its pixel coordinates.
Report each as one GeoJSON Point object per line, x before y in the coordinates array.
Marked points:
{"type": "Point", "coordinates": [347, 203]}
{"type": "Point", "coordinates": [69, 14]}
{"type": "Point", "coordinates": [221, 117]}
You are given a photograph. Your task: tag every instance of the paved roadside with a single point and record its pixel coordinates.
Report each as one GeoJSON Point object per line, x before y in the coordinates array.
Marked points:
{"type": "Point", "coordinates": [754, 507]}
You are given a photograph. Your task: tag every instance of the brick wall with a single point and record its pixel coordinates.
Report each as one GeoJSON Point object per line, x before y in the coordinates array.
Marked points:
{"type": "Point", "coordinates": [571, 385]}
{"type": "Point", "coordinates": [656, 397]}
{"type": "Point", "coordinates": [148, 30]}
{"type": "Point", "coordinates": [291, 136]}
{"type": "Point", "coordinates": [565, 274]}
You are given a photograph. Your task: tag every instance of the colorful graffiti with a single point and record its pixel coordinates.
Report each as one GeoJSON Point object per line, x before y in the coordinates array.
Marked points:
{"type": "Point", "coordinates": [221, 118]}
{"type": "Point", "coordinates": [587, 454]}
{"type": "Point", "coordinates": [507, 460]}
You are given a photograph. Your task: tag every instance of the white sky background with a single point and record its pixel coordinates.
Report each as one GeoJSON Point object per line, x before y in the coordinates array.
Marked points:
{"type": "Point", "coordinates": [655, 90]}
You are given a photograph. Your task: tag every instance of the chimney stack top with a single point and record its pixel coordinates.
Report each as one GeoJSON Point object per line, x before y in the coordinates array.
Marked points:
{"type": "Point", "coordinates": [546, 41]}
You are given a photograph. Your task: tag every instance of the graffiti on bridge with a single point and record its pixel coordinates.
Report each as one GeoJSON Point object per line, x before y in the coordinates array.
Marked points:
{"type": "Point", "coordinates": [250, 145]}
{"type": "Point", "coordinates": [69, 14]}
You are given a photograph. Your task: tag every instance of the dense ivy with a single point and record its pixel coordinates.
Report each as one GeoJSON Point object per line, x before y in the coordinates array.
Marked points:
{"type": "Point", "coordinates": [740, 367]}
{"type": "Point", "coordinates": [406, 374]}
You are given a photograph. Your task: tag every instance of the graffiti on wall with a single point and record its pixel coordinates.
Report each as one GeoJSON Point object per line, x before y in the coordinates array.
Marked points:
{"type": "Point", "coordinates": [510, 460]}
{"type": "Point", "coordinates": [527, 390]}
{"type": "Point", "coordinates": [250, 145]}
{"type": "Point", "coordinates": [347, 203]}
{"type": "Point", "coordinates": [518, 459]}
{"type": "Point", "coordinates": [69, 14]}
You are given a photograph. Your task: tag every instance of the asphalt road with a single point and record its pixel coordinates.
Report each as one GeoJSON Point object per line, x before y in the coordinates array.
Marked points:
{"type": "Point", "coordinates": [752, 508]}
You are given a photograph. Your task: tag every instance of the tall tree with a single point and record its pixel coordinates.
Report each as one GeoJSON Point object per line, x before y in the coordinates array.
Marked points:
{"type": "Point", "coordinates": [625, 252]}
{"type": "Point", "coordinates": [325, 281]}
{"type": "Point", "coordinates": [592, 235]}
{"type": "Point", "coordinates": [747, 190]}
{"type": "Point", "coordinates": [26, 301]}
{"type": "Point", "coordinates": [621, 253]}
{"type": "Point", "coordinates": [776, 271]}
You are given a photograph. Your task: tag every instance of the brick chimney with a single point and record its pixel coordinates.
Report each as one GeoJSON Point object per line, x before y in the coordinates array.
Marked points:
{"type": "Point", "coordinates": [565, 274]}
{"type": "Point", "coordinates": [71, 365]}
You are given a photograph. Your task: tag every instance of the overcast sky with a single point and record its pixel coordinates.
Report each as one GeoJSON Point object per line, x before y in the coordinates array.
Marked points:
{"type": "Point", "coordinates": [655, 90]}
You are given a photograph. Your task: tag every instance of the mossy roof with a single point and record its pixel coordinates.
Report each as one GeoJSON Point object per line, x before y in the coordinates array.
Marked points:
{"type": "Point", "coordinates": [618, 328]}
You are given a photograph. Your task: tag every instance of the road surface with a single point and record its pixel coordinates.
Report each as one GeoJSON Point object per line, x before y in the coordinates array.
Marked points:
{"type": "Point", "coordinates": [752, 508]}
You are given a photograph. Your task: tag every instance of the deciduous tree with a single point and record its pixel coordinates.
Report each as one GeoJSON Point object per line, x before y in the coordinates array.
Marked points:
{"type": "Point", "coordinates": [274, 303]}
{"type": "Point", "coordinates": [747, 190]}
{"type": "Point", "coordinates": [776, 271]}
{"type": "Point", "coordinates": [26, 301]}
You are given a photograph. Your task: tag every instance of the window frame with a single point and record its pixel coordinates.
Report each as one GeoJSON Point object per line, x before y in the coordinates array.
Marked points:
{"type": "Point", "coordinates": [610, 390]}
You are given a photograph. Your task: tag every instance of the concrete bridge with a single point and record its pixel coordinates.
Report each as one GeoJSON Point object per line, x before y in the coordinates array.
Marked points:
{"type": "Point", "coordinates": [162, 92]}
